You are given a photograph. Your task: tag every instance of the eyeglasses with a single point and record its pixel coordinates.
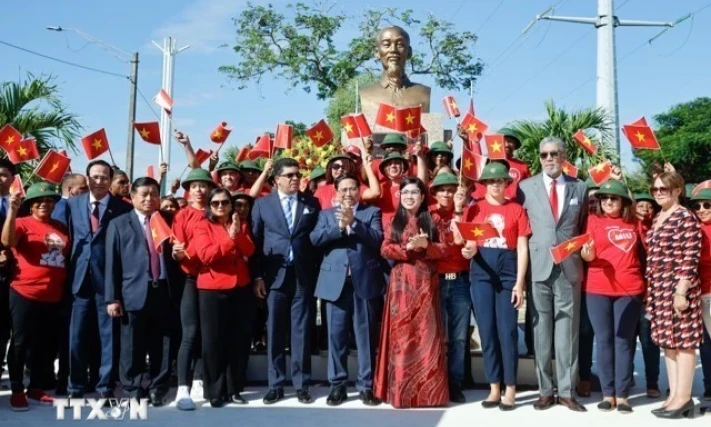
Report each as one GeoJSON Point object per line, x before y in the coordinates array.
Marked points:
{"type": "Point", "coordinates": [348, 190]}
{"type": "Point", "coordinates": [660, 190]}
{"type": "Point", "coordinates": [410, 193]}
{"type": "Point", "coordinates": [697, 206]}
{"type": "Point", "coordinates": [292, 175]}
{"type": "Point", "coordinates": [552, 154]}
{"type": "Point", "coordinates": [604, 197]}
{"type": "Point", "coordinates": [241, 205]}
{"type": "Point", "coordinates": [336, 166]}
{"type": "Point", "coordinates": [217, 203]}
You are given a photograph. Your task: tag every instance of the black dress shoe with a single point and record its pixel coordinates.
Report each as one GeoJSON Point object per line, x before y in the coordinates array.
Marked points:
{"type": "Point", "coordinates": [606, 406]}
{"type": "Point", "coordinates": [571, 404]}
{"type": "Point", "coordinates": [489, 404]}
{"type": "Point", "coordinates": [157, 398]}
{"type": "Point", "coordinates": [543, 403]}
{"type": "Point", "coordinates": [368, 398]}
{"type": "Point", "coordinates": [337, 396]}
{"type": "Point", "coordinates": [659, 410]}
{"type": "Point", "coordinates": [217, 403]}
{"type": "Point", "coordinates": [506, 407]}
{"type": "Point", "coordinates": [303, 396]}
{"type": "Point", "coordinates": [273, 396]}
{"type": "Point", "coordinates": [456, 395]}
{"type": "Point", "coordinates": [686, 411]}
{"type": "Point", "coordinates": [238, 399]}
{"type": "Point", "coordinates": [624, 408]}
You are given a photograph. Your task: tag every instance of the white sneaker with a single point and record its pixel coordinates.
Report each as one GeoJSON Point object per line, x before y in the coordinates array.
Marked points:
{"type": "Point", "coordinates": [196, 392]}
{"type": "Point", "coordinates": [183, 401]}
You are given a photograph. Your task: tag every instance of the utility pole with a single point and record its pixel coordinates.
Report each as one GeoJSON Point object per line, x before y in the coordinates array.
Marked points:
{"type": "Point", "coordinates": [132, 116]}
{"type": "Point", "coordinates": [169, 53]}
{"type": "Point", "coordinates": [605, 22]}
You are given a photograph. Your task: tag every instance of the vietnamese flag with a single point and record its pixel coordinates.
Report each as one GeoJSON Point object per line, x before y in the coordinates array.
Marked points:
{"type": "Point", "coordinates": [25, 151]}
{"type": "Point", "coordinates": [202, 155]}
{"type": "Point", "coordinates": [17, 187]}
{"type": "Point", "coordinates": [477, 231]}
{"type": "Point", "coordinates": [95, 144]}
{"type": "Point", "coordinates": [64, 153]}
{"type": "Point", "coordinates": [164, 101]}
{"type": "Point", "coordinates": [386, 116]}
{"type": "Point", "coordinates": [320, 134]}
{"type": "Point", "coordinates": [9, 136]}
{"type": "Point", "coordinates": [220, 134]}
{"type": "Point", "coordinates": [641, 137]}
{"type": "Point", "coordinates": [284, 135]}
{"type": "Point", "coordinates": [350, 126]}
{"type": "Point", "coordinates": [263, 148]}
{"type": "Point", "coordinates": [53, 167]}
{"type": "Point", "coordinates": [149, 131]}
{"type": "Point", "coordinates": [450, 106]}
{"type": "Point", "coordinates": [584, 141]}
{"type": "Point", "coordinates": [472, 164]}
{"type": "Point", "coordinates": [415, 133]}
{"type": "Point", "coordinates": [495, 146]}
{"type": "Point", "coordinates": [569, 169]}
{"type": "Point", "coordinates": [565, 249]}
{"type": "Point", "coordinates": [475, 128]}
{"type": "Point", "coordinates": [408, 118]}
{"type": "Point", "coordinates": [601, 172]}
{"type": "Point", "coordinates": [243, 154]}
{"type": "Point", "coordinates": [362, 125]}
{"type": "Point", "coordinates": [160, 231]}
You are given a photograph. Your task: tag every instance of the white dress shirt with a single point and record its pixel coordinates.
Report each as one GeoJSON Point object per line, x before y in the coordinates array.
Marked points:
{"type": "Point", "coordinates": [103, 204]}
{"type": "Point", "coordinates": [560, 187]}
{"type": "Point", "coordinates": [142, 220]}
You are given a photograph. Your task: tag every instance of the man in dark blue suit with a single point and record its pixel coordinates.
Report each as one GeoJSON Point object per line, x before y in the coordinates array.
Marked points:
{"type": "Point", "coordinates": [88, 217]}
{"type": "Point", "coordinates": [285, 263]}
{"type": "Point", "coordinates": [138, 291]}
{"type": "Point", "coordinates": [351, 282]}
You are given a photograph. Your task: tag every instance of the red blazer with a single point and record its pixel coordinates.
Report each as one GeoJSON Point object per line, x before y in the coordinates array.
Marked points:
{"type": "Point", "coordinates": [224, 260]}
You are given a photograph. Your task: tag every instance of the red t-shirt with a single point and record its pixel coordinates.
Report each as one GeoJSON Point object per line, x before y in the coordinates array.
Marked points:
{"type": "Point", "coordinates": [454, 262]}
{"type": "Point", "coordinates": [389, 200]}
{"type": "Point", "coordinates": [41, 252]}
{"type": "Point", "coordinates": [327, 195]}
{"type": "Point", "coordinates": [705, 260]}
{"type": "Point", "coordinates": [509, 219]}
{"type": "Point", "coordinates": [616, 269]}
{"type": "Point", "coordinates": [183, 228]}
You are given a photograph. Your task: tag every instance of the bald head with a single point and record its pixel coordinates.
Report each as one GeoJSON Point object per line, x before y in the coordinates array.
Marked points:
{"type": "Point", "coordinates": [393, 50]}
{"type": "Point", "coordinates": [396, 30]}
{"type": "Point", "coordinates": [74, 184]}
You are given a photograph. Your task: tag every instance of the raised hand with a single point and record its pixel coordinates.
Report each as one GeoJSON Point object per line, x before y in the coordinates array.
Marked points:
{"type": "Point", "coordinates": [182, 138]}
{"type": "Point", "coordinates": [235, 226]}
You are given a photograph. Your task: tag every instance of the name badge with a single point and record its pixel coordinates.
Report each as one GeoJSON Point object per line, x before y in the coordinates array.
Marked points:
{"type": "Point", "coordinates": [574, 201]}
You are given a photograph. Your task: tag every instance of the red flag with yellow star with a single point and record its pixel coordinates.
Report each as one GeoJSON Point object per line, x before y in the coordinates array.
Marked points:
{"type": "Point", "coordinates": [243, 154]}
{"type": "Point", "coordinates": [362, 125]}
{"type": "Point", "coordinates": [475, 128]}
{"type": "Point", "coordinates": [53, 167]}
{"type": "Point", "coordinates": [450, 106]}
{"type": "Point", "coordinates": [95, 144]}
{"type": "Point", "coordinates": [569, 169]}
{"type": "Point", "coordinates": [408, 118]}
{"type": "Point", "coordinates": [386, 116]}
{"type": "Point", "coordinates": [220, 134]}
{"type": "Point", "coordinates": [24, 151]}
{"type": "Point", "coordinates": [584, 141]}
{"type": "Point", "coordinates": [472, 164]}
{"type": "Point", "coordinates": [202, 155]}
{"type": "Point", "coordinates": [149, 131]}
{"type": "Point", "coordinates": [495, 146]}
{"type": "Point", "coordinates": [477, 231]}
{"type": "Point", "coordinates": [9, 136]}
{"type": "Point", "coordinates": [263, 148]}
{"type": "Point", "coordinates": [320, 134]}
{"type": "Point", "coordinates": [17, 187]}
{"type": "Point", "coordinates": [64, 153]}
{"type": "Point", "coordinates": [356, 126]}
{"type": "Point", "coordinates": [160, 231]}
{"type": "Point", "coordinates": [284, 135]}
{"type": "Point", "coordinates": [641, 137]}
{"type": "Point", "coordinates": [601, 172]}
{"type": "Point", "coordinates": [567, 248]}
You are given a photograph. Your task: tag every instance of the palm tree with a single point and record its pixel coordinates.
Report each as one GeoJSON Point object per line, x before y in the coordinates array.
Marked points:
{"type": "Point", "coordinates": [564, 125]}
{"type": "Point", "coordinates": [34, 107]}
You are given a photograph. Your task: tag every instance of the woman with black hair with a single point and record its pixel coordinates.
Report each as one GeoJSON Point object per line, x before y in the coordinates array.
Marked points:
{"type": "Point", "coordinates": [411, 370]}
{"type": "Point", "coordinates": [343, 164]}
{"type": "Point", "coordinates": [223, 245]}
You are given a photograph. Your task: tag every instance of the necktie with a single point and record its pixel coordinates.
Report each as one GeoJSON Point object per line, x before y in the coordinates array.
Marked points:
{"type": "Point", "coordinates": [289, 222]}
{"type": "Point", "coordinates": [554, 200]}
{"type": "Point", "coordinates": [95, 217]}
{"type": "Point", "coordinates": [154, 261]}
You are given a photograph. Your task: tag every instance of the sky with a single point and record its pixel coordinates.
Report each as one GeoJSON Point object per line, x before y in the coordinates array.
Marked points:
{"type": "Point", "coordinates": [554, 60]}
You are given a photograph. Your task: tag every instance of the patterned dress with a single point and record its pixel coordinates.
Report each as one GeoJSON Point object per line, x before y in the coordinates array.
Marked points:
{"type": "Point", "coordinates": [411, 370]}
{"type": "Point", "coordinates": [673, 253]}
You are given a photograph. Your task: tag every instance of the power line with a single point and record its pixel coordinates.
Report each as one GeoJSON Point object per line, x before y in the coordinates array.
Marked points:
{"type": "Point", "coordinates": [62, 61]}
{"type": "Point", "coordinates": [147, 102]}
{"type": "Point", "coordinates": [488, 18]}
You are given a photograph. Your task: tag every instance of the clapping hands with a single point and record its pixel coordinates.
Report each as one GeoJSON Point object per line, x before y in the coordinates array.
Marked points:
{"type": "Point", "coordinates": [418, 241]}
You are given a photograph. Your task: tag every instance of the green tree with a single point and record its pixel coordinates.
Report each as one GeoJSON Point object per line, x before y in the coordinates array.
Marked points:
{"type": "Point", "coordinates": [684, 134]}
{"type": "Point", "coordinates": [343, 101]}
{"type": "Point", "coordinates": [301, 48]}
{"type": "Point", "coordinates": [564, 125]}
{"type": "Point", "coordinates": [35, 108]}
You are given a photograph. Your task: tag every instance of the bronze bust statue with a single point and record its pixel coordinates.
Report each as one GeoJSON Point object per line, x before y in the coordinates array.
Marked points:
{"type": "Point", "coordinates": [393, 50]}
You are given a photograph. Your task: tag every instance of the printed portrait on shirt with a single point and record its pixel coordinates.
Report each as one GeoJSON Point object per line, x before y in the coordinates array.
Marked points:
{"type": "Point", "coordinates": [499, 223]}
{"type": "Point", "coordinates": [55, 245]}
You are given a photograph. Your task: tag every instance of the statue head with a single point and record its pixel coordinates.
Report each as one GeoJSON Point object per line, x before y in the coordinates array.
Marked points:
{"type": "Point", "coordinates": [393, 50]}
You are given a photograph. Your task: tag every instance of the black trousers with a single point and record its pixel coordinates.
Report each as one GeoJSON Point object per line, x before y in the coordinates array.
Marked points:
{"type": "Point", "coordinates": [32, 330]}
{"type": "Point", "coordinates": [146, 331]}
{"type": "Point", "coordinates": [220, 341]}
{"type": "Point", "coordinates": [5, 321]}
{"type": "Point", "coordinates": [189, 350]}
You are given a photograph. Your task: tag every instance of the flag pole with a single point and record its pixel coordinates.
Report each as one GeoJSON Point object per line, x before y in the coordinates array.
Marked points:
{"type": "Point", "coordinates": [183, 172]}
{"type": "Point", "coordinates": [356, 96]}
{"type": "Point", "coordinates": [461, 166]}
{"type": "Point", "coordinates": [112, 157]}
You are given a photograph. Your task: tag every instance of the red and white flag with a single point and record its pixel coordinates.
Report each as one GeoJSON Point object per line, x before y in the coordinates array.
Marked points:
{"type": "Point", "coordinates": [164, 101]}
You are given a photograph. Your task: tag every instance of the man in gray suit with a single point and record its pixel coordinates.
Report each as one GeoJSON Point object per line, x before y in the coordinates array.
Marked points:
{"type": "Point", "coordinates": [556, 205]}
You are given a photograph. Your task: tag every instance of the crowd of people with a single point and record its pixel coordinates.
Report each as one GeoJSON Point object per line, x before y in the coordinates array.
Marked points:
{"type": "Point", "coordinates": [376, 242]}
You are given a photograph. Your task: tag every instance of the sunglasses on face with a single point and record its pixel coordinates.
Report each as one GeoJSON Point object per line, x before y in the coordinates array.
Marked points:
{"type": "Point", "coordinates": [698, 205]}
{"type": "Point", "coordinates": [217, 203]}
{"type": "Point", "coordinates": [552, 154]}
{"type": "Point", "coordinates": [292, 175]}
{"type": "Point", "coordinates": [336, 166]}
{"type": "Point", "coordinates": [610, 198]}
{"type": "Point", "coordinates": [241, 205]}
{"type": "Point", "coordinates": [660, 190]}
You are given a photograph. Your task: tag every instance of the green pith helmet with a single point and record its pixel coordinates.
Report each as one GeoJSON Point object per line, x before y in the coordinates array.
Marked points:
{"type": "Point", "coordinates": [394, 139]}
{"type": "Point", "coordinates": [704, 194]}
{"type": "Point", "coordinates": [591, 184]}
{"type": "Point", "coordinates": [444, 178]}
{"type": "Point", "coordinates": [391, 157]}
{"type": "Point", "coordinates": [344, 157]}
{"type": "Point", "coordinates": [40, 190]}
{"type": "Point", "coordinates": [511, 134]}
{"type": "Point", "coordinates": [688, 189]}
{"type": "Point", "coordinates": [440, 147]}
{"type": "Point", "coordinates": [317, 173]}
{"type": "Point", "coordinates": [644, 197]}
{"type": "Point", "coordinates": [495, 170]}
{"type": "Point", "coordinates": [250, 165]}
{"type": "Point", "coordinates": [196, 175]}
{"type": "Point", "coordinates": [614, 187]}
{"type": "Point", "coordinates": [228, 165]}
